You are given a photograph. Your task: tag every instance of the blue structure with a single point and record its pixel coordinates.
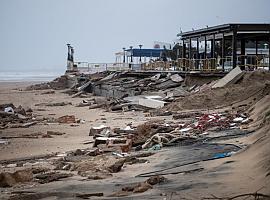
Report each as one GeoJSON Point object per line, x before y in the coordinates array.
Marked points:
{"type": "Point", "coordinates": [145, 52]}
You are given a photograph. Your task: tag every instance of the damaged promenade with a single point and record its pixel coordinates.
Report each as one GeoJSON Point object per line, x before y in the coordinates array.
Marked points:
{"type": "Point", "coordinates": [131, 135]}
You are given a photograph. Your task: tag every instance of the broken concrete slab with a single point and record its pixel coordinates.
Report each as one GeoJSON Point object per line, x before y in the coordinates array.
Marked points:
{"type": "Point", "coordinates": [151, 103]}
{"type": "Point", "coordinates": [98, 130]}
{"type": "Point", "coordinates": [155, 77]}
{"type": "Point", "coordinates": [167, 84]}
{"type": "Point", "coordinates": [109, 77]}
{"type": "Point", "coordinates": [176, 78]}
{"type": "Point", "coordinates": [86, 87]}
{"type": "Point", "coordinates": [26, 125]}
{"type": "Point", "coordinates": [229, 77]}
{"type": "Point", "coordinates": [104, 140]}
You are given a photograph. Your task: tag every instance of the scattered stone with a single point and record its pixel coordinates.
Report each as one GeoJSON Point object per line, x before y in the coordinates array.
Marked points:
{"type": "Point", "coordinates": [59, 104]}
{"type": "Point", "coordinates": [117, 166]}
{"type": "Point", "coordinates": [51, 176]}
{"type": "Point", "coordinates": [67, 119]}
{"type": "Point", "coordinates": [142, 187]}
{"type": "Point", "coordinates": [95, 175]}
{"type": "Point", "coordinates": [49, 92]}
{"type": "Point", "coordinates": [55, 133]}
{"type": "Point", "coordinates": [120, 194]}
{"type": "Point", "coordinates": [153, 180]}
{"type": "Point", "coordinates": [86, 196]}
{"type": "Point", "coordinates": [38, 170]}
{"type": "Point", "coordinates": [78, 152]}
{"type": "Point", "coordinates": [94, 152]}
{"type": "Point", "coordinates": [10, 179]}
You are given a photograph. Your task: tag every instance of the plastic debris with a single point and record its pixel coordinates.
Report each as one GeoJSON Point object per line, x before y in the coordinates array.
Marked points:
{"type": "Point", "coordinates": [238, 119]}
{"type": "Point", "coordinates": [9, 110]}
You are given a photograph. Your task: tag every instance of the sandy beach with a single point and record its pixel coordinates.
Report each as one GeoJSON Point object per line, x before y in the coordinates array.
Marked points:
{"type": "Point", "coordinates": [244, 172]}
{"type": "Point", "coordinates": [74, 137]}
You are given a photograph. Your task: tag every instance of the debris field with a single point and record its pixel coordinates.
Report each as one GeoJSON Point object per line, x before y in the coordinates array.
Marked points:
{"type": "Point", "coordinates": [155, 135]}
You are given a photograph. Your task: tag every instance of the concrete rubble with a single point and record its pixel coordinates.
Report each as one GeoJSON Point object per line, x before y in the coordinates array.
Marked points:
{"type": "Point", "coordinates": [232, 75]}
{"type": "Point", "coordinates": [15, 117]}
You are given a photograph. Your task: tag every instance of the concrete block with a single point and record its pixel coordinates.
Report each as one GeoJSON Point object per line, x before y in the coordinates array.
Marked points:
{"type": "Point", "coordinates": [151, 103]}
{"type": "Point", "coordinates": [229, 77]}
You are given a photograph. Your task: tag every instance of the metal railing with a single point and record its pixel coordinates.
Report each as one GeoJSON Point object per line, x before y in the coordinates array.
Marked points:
{"type": "Point", "coordinates": [249, 62]}
{"type": "Point", "coordinates": [208, 64]}
{"type": "Point", "coordinates": [85, 67]}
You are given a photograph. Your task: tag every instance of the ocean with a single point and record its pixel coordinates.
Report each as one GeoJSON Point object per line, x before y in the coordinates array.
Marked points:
{"type": "Point", "coordinates": [29, 76]}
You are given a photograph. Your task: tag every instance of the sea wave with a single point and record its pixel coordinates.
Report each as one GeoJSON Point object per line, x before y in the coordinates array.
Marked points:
{"type": "Point", "coordinates": [28, 76]}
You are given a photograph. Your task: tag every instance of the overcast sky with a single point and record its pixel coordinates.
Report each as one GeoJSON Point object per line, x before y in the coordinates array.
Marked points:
{"type": "Point", "coordinates": [34, 33]}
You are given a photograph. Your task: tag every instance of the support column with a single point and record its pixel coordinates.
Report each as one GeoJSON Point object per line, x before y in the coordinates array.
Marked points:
{"type": "Point", "coordinates": [213, 46]}
{"type": "Point", "coordinates": [205, 47]}
{"type": "Point", "coordinates": [190, 46]}
{"type": "Point", "coordinates": [243, 53]}
{"type": "Point", "coordinates": [213, 49]}
{"type": "Point", "coordinates": [223, 52]}
{"type": "Point", "coordinates": [269, 53]}
{"type": "Point", "coordinates": [197, 54]}
{"type": "Point", "coordinates": [184, 56]}
{"type": "Point", "coordinates": [234, 47]}
{"type": "Point", "coordinates": [256, 47]}
{"type": "Point", "coordinates": [184, 50]}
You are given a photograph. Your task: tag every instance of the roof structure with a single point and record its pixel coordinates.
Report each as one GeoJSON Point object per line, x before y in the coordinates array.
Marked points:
{"type": "Point", "coordinates": [244, 28]}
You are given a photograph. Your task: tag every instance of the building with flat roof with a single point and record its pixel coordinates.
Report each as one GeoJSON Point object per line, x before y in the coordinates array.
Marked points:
{"type": "Point", "coordinates": [226, 46]}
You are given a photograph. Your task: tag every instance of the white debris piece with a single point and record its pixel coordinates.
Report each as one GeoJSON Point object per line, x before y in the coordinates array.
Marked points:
{"type": "Point", "coordinates": [3, 141]}
{"type": "Point", "coordinates": [154, 78]}
{"type": "Point", "coordinates": [176, 78]}
{"type": "Point", "coordinates": [9, 110]}
{"type": "Point", "coordinates": [238, 119]}
{"type": "Point", "coordinates": [128, 128]}
{"type": "Point", "coordinates": [185, 129]}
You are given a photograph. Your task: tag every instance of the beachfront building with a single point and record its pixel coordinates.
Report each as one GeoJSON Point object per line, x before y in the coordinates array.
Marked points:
{"type": "Point", "coordinates": [226, 46]}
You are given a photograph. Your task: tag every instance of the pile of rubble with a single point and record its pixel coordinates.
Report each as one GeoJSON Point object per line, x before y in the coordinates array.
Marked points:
{"type": "Point", "coordinates": [15, 117]}
{"type": "Point", "coordinates": [62, 82]}
{"type": "Point", "coordinates": [185, 129]}
{"type": "Point", "coordinates": [127, 91]}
